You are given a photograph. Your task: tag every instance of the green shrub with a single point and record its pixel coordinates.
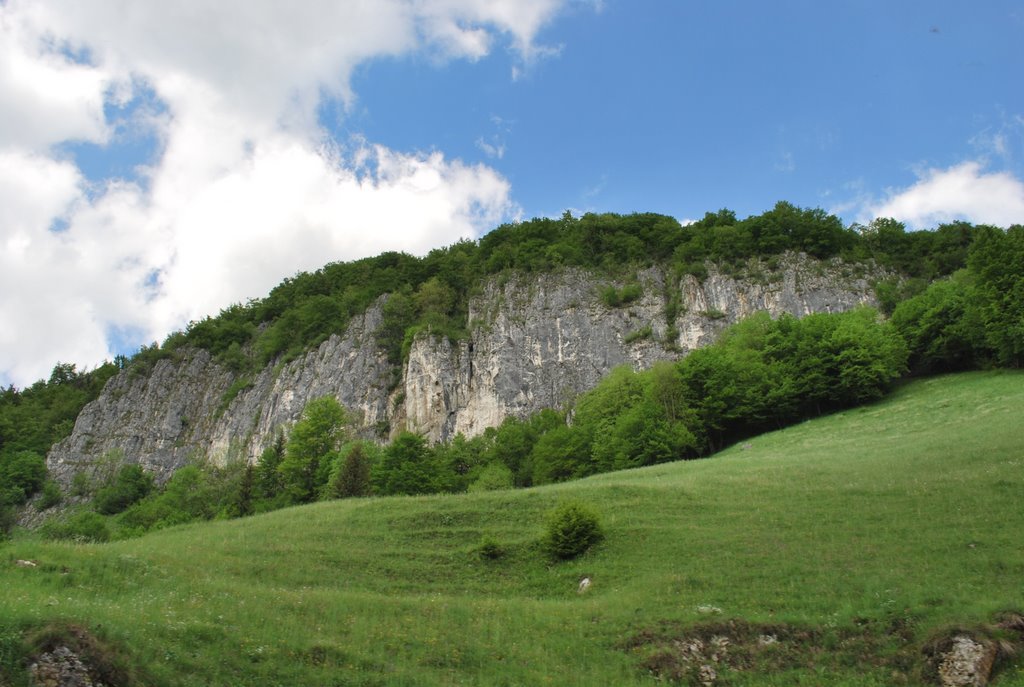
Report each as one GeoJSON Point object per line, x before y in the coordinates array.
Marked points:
{"type": "Point", "coordinates": [616, 298]}
{"type": "Point", "coordinates": [572, 529]}
{"type": "Point", "coordinates": [697, 268]}
{"type": "Point", "coordinates": [83, 527]}
{"type": "Point", "coordinates": [81, 485]}
{"type": "Point", "coordinates": [639, 335]}
{"type": "Point", "coordinates": [8, 519]}
{"type": "Point", "coordinates": [51, 495]}
{"type": "Point", "coordinates": [21, 475]}
{"type": "Point", "coordinates": [494, 476]}
{"type": "Point", "coordinates": [630, 293]}
{"type": "Point", "coordinates": [198, 491]}
{"type": "Point", "coordinates": [129, 486]}
{"type": "Point", "coordinates": [490, 549]}
{"type": "Point", "coordinates": [237, 387]}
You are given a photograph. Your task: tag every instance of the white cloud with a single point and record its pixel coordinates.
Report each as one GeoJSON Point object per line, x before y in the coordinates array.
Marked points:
{"type": "Point", "coordinates": [34, 190]}
{"type": "Point", "coordinates": [493, 146]}
{"type": "Point", "coordinates": [45, 96]}
{"type": "Point", "coordinates": [1002, 138]}
{"type": "Point", "coordinates": [494, 149]}
{"type": "Point", "coordinates": [292, 208]}
{"type": "Point", "coordinates": [961, 192]}
{"type": "Point", "coordinates": [52, 282]}
{"type": "Point", "coordinates": [521, 20]}
{"type": "Point", "coordinates": [246, 189]}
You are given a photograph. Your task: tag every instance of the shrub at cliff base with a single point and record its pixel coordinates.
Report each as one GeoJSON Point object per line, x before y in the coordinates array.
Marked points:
{"type": "Point", "coordinates": [86, 526]}
{"type": "Point", "coordinates": [130, 485]}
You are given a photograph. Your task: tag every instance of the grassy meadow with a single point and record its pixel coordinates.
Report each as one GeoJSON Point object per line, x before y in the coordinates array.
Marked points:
{"type": "Point", "coordinates": [827, 553]}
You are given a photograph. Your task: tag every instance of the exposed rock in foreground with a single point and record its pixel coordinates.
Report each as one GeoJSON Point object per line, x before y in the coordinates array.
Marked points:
{"type": "Point", "coordinates": [60, 668]}
{"type": "Point", "coordinates": [701, 653]}
{"type": "Point", "coordinates": [967, 662]}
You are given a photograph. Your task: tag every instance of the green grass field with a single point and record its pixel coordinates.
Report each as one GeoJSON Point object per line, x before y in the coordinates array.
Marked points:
{"type": "Point", "coordinates": [851, 540]}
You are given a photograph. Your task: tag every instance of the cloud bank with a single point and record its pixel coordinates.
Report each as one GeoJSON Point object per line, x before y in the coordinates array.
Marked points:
{"type": "Point", "coordinates": [962, 192]}
{"type": "Point", "coordinates": [242, 186]}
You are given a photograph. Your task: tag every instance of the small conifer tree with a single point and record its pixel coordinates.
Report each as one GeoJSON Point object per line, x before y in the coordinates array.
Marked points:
{"type": "Point", "coordinates": [353, 477]}
{"type": "Point", "coordinates": [572, 529]}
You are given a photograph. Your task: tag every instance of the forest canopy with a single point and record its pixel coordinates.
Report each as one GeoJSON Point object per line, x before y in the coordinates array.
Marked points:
{"type": "Point", "coordinates": [433, 291]}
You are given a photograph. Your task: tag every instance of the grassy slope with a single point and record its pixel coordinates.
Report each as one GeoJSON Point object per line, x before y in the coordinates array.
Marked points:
{"type": "Point", "coordinates": [902, 514]}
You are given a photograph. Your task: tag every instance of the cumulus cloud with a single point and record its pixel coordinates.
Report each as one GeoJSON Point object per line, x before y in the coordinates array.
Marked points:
{"type": "Point", "coordinates": [962, 192]}
{"type": "Point", "coordinates": [46, 96]}
{"type": "Point", "coordinates": [245, 186]}
{"type": "Point", "coordinates": [293, 208]}
{"type": "Point", "coordinates": [37, 318]}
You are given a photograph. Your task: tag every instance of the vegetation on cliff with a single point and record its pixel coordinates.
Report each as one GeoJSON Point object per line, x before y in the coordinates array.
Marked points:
{"type": "Point", "coordinates": [955, 305]}
{"type": "Point", "coordinates": [762, 374]}
{"type": "Point", "coordinates": [32, 420]}
{"type": "Point", "coordinates": [433, 292]}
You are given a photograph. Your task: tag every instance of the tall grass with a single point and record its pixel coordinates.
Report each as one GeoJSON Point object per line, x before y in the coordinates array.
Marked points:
{"type": "Point", "coordinates": [905, 514]}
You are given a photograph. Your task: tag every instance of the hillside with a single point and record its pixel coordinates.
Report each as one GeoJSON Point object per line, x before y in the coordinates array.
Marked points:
{"type": "Point", "coordinates": [523, 321]}
{"type": "Point", "coordinates": [469, 334]}
{"type": "Point", "coordinates": [829, 553]}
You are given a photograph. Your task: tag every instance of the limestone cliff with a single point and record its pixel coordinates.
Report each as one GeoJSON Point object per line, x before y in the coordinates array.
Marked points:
{"type": "Point", "coordinates": [539, 341]}
{"type": "Point", "coordinates": [179, 410]}
{"type": "Point", "coordinates": [535, 341]}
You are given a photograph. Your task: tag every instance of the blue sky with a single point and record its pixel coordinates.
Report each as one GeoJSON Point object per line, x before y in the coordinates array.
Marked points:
{"type": "Point", "coordinates": [683, 107]}
{"type": "Point", "coordinates": [160, 161]}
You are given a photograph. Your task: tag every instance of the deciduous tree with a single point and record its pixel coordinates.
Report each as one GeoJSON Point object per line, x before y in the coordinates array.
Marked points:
{"type": "Point", "coordinates": [315, 436]}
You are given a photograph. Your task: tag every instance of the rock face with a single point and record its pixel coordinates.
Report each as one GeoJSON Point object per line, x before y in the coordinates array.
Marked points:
{"type": "Point", "coordinates": [179, 410]}
{"type": "Point", "coordinates": [536, 342]}
{"type": "Point", "coordinates": [154, 419]}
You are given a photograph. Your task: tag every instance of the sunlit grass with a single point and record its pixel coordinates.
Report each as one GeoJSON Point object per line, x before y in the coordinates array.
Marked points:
{"type": "Point", "coordinates": [904, 513]}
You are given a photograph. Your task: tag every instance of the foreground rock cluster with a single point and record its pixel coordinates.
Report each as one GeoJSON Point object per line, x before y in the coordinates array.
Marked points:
{"type": "Point", "coordinates": [60, 668]}
{"type": "Point", "coordinates": [703, 654]}
{"type": "Point", "coordinates": [967, 662]}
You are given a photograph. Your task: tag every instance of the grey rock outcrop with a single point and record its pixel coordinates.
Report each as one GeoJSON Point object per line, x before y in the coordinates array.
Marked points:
{"type": "Point", "coordinates": [348, 366]}
{"type": "Point", "coordinates": [535, 342]}
{"type": "Point", "coordinates": [178, 411]}
{"type": "Point", "coordinates": [157, 420]}
{"type": "Point", "coordinates": [539, 341]}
